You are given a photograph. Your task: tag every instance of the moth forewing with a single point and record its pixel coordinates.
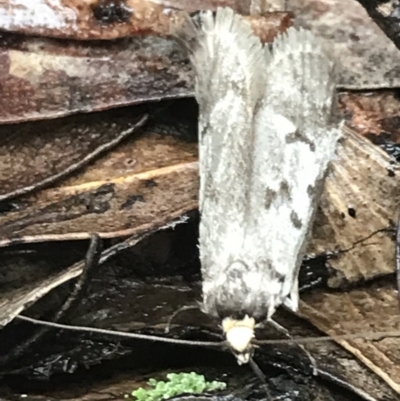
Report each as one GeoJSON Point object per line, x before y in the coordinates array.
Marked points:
{"type": "Point", "coordinates": [296, 132]}
{"type": "Point", "coordinates": [266, 136]}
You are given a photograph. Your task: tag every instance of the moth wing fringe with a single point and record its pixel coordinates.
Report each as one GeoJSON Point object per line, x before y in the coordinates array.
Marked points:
{"type": "Point", "coordinates": [211, 41]}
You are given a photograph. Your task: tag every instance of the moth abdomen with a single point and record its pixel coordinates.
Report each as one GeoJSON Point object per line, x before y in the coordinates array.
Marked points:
{"type": "Point", "coordinates": [244, 289]}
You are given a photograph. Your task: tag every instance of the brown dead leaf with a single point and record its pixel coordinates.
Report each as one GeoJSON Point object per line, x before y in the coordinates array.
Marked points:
{"type": "Point", "coordinates": [373, 308]}
{"type": "Point", "coordinates": [373, 114]}
{"type": "Point", "coordinates": [367, 57]}
{"type": "Point", "coordinates": [111, 302]}
{"type": "Point", "coordinates": [331, 359]}
{"type": "Point", "coordinates": [94, 19]}
{"type": "Point", "coordinates": [102, 19]}
{"type": "Point", "coordinates": [14, 300]}
{"type": "Point", "coordinates": [44, 78]}
{"type": "Point", "coordinates": [385, 15]}
{"type": "Point", "coordinates": [360, 199]}
{"type": "Point", "coordinates": [47, 78]}
{"type": "Point", "coordinates": [152, 180]}
{"type": "Point", "coordinates": [57, 77]}
{"type": "Point", "coordinates": [146, 180]}
{"type": "Point", "coordinates": [33, 155]}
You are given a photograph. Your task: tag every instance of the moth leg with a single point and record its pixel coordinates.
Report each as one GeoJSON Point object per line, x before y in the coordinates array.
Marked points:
{"type": "Point", "coordinates": [279, 328]}
{"type": "Point", "coordinates": [284, 331]}
{"type": "Point", "coordinates": [176, 313]}
{"type": "Point", "coordinates": [292, 301]}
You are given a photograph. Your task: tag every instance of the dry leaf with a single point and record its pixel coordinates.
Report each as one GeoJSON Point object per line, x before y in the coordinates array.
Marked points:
{"type": "Point", "coordinates": [47, 78]}
{"type": "Point", "coordinates": [44, 78]}
{"type": "Point", "coordinates": [373, 308]}
{"type": "Point", "coordinates": [148, 179]}
{"type": "Point", "coordinates": [14, 300]}
{"type": "Point", "coordinates": [99, 19]}
{"type": "Point", "coordinates": [368, 59]}
{"type": "Point", "coordinates": [357, 212]}
{"type": "Point", "coordinates": [385, 15]}
{"type": "Point", "coordinates": [33, 155]}
{"type": "Point", "coordinates": [373, 114]}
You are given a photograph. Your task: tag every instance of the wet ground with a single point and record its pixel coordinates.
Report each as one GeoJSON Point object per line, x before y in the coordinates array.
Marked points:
{"type": "Point", "coordinates": [137, 291]}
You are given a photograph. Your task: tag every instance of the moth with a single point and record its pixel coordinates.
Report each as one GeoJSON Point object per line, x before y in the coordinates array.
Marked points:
{"type": "Point", "coordinates": [267, 133]}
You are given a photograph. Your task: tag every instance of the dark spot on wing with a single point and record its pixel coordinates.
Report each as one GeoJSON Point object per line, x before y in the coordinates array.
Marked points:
{"type": "Point", "coordinates": [315, 190]}
{"type": "Point", "coordinates": [284, 190]}
{"type": "Point", "coordinates": [298, 136]}
{"type": "Point", "coordinates": [270, 196]}
{"type": "Point", "coordinates": [295, 220]}
{"type": "Point", "coordinates": [280, 277]}
{"type": "Point", "coordinates": [205, 129]}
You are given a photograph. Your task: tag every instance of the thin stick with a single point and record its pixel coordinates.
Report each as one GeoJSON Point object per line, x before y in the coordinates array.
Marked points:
{"type": "Point", "coordinates": [281, 329]}
{"type": "Point", "coordinates": [121, 333]}
{"type": "Point", "coordinates": [294, 340]}
{"type": "Point", "coordinates": [176, 313]}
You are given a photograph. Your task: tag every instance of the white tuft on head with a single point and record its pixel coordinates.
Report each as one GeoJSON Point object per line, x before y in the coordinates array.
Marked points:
{"type": "Point", "coordinates": [239, 334]}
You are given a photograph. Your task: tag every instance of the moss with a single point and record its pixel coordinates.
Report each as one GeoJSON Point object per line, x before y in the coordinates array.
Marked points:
{"type": "Point", "coordinates": [178, 383]}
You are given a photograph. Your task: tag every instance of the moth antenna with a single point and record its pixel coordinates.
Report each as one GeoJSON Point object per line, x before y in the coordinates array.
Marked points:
{"type": "Point", "coordinates": [281, 329]}
{"type": "Point", "coordinates": [309, 340]}
{"type": "Point", "coordinates": [303, 340]}
{"type": "Point", "coordinates": [215, 344]}
{"type": "Point", "coordinates": [176, 313]}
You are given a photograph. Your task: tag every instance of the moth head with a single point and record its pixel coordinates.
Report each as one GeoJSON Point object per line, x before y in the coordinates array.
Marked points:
{"type": "Point", "coordinates": [239, 335]}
